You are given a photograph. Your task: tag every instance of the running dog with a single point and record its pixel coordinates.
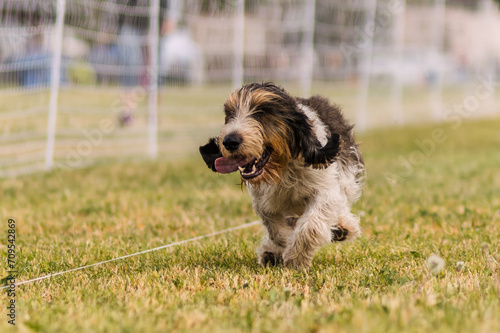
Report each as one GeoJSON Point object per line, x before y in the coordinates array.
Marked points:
{"type": "Point", "coordinates": [301, 165]}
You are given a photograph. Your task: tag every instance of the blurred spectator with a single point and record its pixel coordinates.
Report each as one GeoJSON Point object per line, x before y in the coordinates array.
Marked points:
{"type": "Point", "coordinates": [131, 50]}
{"type": "Point", "coordinates": [34, 64]}
{"type": "Point", "coordinates": [129, 45]}
{"type": "Point", "coordinates": [104, 54]}
{"type": "Point", "coordinates": [13, 39]}
{"type": "Point", "coordinates": [180, 59]}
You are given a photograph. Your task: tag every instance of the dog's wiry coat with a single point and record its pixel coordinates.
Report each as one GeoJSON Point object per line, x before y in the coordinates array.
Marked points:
{"type": "Point", "coordinates": [301, 165]}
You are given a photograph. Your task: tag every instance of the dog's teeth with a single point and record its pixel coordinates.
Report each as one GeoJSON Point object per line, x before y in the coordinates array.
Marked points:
{"type": "Point", "coordinates": [241, 168]}
{"type": "Point", "coordinates": [254, 169]}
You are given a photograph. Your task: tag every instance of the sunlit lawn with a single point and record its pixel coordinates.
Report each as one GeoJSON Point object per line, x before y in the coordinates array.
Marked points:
{"type": "Point", "coordinates": [443, 199]}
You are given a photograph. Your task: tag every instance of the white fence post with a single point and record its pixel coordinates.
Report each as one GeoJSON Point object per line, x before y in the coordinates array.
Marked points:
{"type": "Point", "coordinates": [437, 87]}
{"type": "Point", "coordinates": [397, 84]}
{"type": "Point", "coordinates": [154, 32]}
{"type": "Point", "coordinates": [55, 82]}
{"type": "Point", "coordinates": [307, 46]}
{"type": "Point", "coordinates": [239, 44]}
{"type": "Point", "coordinates": [489, 72]}
{"type": "Point", "coordinates": [369, 31]}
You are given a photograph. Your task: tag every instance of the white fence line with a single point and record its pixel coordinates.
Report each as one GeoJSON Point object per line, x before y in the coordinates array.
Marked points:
{"type": "Point", "coordinates": [109, 61]}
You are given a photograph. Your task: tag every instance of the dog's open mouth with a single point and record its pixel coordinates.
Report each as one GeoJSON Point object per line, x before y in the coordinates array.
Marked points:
{"type": "Point", "coordinates": [249, 167]}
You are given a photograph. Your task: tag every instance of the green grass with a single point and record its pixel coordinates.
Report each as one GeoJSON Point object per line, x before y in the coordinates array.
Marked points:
{"type": "Point", "coordinates": [447, 204]}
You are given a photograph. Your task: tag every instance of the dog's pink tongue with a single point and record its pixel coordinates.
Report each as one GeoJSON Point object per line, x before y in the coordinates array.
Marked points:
{"type": "Point", "coordinates": [226, 165]}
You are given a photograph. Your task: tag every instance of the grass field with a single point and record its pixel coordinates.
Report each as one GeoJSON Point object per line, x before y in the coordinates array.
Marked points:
{"type": "Point", "coordinates": [421, 197]}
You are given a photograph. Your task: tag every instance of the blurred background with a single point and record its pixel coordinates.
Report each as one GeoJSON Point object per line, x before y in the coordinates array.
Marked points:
{"type": "Point", "coordinates": [86, 81]}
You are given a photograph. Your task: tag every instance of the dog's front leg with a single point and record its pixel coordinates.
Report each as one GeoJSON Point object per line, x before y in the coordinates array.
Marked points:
{"type": "Point", "coordinates": [311, 233]}
{"type": "Point", "coordinates": [278, 231]}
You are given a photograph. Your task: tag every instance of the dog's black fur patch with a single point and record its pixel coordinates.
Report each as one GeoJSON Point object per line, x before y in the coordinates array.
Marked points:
{"type": "Point", "coordinates": [210, 152]}
{"type": "Point", "coordinates": [318, 156]}
{"type": "Point", "coordinates": [305, 143]}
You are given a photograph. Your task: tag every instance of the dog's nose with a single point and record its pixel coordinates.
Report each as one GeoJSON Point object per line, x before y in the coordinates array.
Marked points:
{"type": "Point", "coordinates": [232, 142]}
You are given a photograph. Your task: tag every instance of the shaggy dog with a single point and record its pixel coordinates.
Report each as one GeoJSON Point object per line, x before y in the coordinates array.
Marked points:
{"type": "Point", "coordinates": [301, 165]}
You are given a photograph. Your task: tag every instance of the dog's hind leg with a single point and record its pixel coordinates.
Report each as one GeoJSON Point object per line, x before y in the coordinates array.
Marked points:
{"type": "Point", "coordinates": [346, 228]}
{"type": "Point", "coordinates": [322, 223]}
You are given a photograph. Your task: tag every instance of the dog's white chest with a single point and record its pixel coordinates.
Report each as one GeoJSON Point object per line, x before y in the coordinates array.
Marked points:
{"type": "Point", "coordinates": [278, 200]}
{"type": "Point", "coordinates": [299, 186]}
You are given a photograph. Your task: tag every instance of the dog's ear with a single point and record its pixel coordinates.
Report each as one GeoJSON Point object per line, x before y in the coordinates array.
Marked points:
{"type": "Point", "coordinates": [320, 157]}
{"type": "Point", "coordinates": [210, 152]}
{"type": "Point", "coordinates": [306, 145]}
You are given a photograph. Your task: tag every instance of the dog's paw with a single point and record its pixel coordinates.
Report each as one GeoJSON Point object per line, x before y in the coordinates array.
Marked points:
{"type": "Point", "coordinates": [271, 259]}
{"type": "Point", "coordinates": [339, 234]}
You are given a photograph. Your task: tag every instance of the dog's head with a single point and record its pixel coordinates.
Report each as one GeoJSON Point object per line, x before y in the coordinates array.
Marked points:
{"type": "Point", "coordinates": [263, 132]}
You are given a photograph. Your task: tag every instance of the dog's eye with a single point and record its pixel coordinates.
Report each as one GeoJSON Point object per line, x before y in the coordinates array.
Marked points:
{"type": "Point", "coordinates": [229, 114]}
{"type": "Point", "coordinates": [258, 114]}
{"type": "Point", "coordinates": [229, 117]}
